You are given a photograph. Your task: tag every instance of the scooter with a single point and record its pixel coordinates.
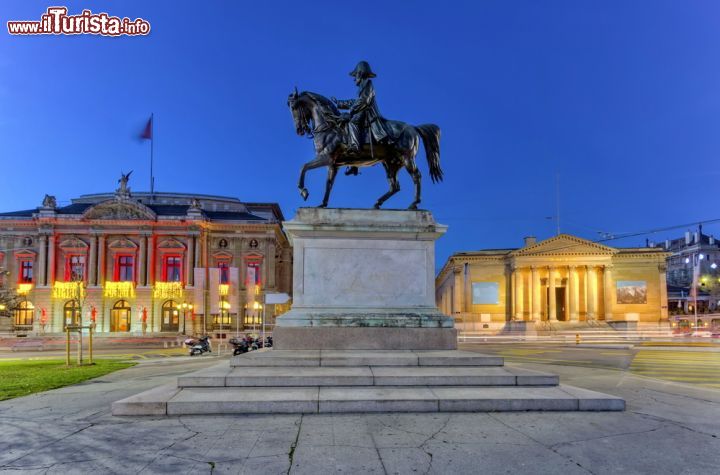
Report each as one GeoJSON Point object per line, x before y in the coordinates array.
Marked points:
{"type": "Point", "coordinates": [240, 346]}
{"type": "Point", "coordinates": [199, 346]}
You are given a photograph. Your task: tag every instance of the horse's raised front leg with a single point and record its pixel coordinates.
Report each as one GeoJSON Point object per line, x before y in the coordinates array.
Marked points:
{"type": "Point", "coordinates": [332, 172]}
{"type": "Point", "coordinates": [392, 172]}
{"type": "Point", "coordinates": [317, 162]}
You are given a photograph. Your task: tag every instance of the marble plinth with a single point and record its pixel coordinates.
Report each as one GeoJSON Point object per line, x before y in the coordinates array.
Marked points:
{"type": "Point", "coordinates": [359, 272]}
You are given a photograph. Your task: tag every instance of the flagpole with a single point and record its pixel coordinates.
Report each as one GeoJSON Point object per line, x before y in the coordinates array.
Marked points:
{"type": "Point", "coordinates": [152, 143]}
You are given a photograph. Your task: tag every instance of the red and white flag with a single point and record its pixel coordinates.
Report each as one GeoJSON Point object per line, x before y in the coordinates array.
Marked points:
{"type": "Point", "coordinates": [147, 133]}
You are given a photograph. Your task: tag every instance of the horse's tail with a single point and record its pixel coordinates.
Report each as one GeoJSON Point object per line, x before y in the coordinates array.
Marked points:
{"type": "Point", "coordinates": [430, 134]}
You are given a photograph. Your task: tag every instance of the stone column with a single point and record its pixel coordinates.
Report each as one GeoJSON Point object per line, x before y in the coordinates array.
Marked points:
{"type": "Point", "coordinates": [101, 262]}
{"type": "Point", "coordinates": [42, 261]}
{"type": "Point", "coordinates": [552, 316]}
{"type": "Point", "coordinates": [663, 292]}
{"type": "Point", "coordinates": [271, 264]}
{"type": "Point", "coordinates": [198, 252]}
{"type": "Point", "coordinates": [152, 257]}
{"type": "Point", "coordinates": [189, 269]}
{"type": "Point", "coordinates": [91, 265]}
{"type": "Point", "coordinates": [574, 292]}
{"type": "Point", "coordinates": [574, 297]}
{"type": "Point", "coordinates": [518, 285]}
{"type": "Point", "coordinates": [608, 292]}
{"type": "Point", "coordinates": [143, 260]}
{"type": "Point", "coordinates": [51, 260]}
{"type": "Point", "coordinates": [585, 291]}
{"type": "Point", "coordinates": [592, 293]}
{"type": "Point", "coordinates": [458, 290]}
{"type": "Point", "coordinates": [536, 293]}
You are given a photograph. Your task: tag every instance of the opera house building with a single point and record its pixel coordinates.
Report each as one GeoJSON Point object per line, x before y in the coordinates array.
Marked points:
{"type": "Point", "coordinates": [141, 263]}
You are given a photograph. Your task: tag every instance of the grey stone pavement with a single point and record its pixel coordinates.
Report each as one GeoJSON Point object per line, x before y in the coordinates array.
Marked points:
{"type": "Point", "coordinates": [668, 428]}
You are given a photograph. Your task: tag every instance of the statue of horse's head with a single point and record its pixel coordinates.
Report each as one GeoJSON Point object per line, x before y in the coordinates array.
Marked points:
{"type": "Point", "coordinates": [303, 107]}
{"type": "Point", "coordinates": [301, 115]}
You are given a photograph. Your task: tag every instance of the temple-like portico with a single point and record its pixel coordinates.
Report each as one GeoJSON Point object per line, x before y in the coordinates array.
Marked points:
{"type": "Point", "coordinates": [562, 279]}
{"type": "Point", "coordinates": [559, 292]}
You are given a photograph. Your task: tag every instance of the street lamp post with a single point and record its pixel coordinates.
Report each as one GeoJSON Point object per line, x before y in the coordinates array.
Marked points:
{"type": "Point", "coordinates": [185, 307]}
{"type": "Point", "coordinates": [696, 258]}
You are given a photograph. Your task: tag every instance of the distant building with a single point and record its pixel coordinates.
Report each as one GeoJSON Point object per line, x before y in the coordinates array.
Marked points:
{"type": "Point", "coordinates": [562, 280]}
{"type": "Point", "coordinates": [693, 249]}
{"type": "Point", "coordinates": [682, 250]}
{"type": "Point", "coordinates": [138, 258]}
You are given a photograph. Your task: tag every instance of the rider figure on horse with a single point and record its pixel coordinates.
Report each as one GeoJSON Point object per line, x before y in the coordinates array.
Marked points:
{"type": "Point", "coordinates": [364, 114]}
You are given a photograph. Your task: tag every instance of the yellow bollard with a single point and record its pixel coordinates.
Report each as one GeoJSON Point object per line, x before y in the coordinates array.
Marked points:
{"type": "Point", "coordinates": [92, 327]}
{"type": "Point", "coordinates": [67, 346]}
{"type": "Point", "coordinates": [577, 338]}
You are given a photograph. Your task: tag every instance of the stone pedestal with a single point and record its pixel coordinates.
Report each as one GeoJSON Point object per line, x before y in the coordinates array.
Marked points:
{"type": "Point", "coordinates": [364, 279]}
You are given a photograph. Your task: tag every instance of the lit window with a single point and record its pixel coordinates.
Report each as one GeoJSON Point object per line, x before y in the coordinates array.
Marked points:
{"type": "Point", "coordinates": [125, 268]}
{"type": "Point", "coordinates": [24, 314]}
{"type": "Point", "coordinates": [173, 269]}
{"type": "Point", "coordinates": [26, 272]}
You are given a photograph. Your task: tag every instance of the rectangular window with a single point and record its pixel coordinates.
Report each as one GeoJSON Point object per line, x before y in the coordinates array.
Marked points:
{"type": "Point", "coordinates": [125, 268]}
{"type": "Point", "coordinates": [253, 273]}
{"type": "Point", "coordinates": [173, 269]}
{"type": "Point", "coordinates": [75, 268]}
{"type": "Point", "coordinates": [224, 267]}
{"type": "Point", "coordinates": [26, 272]}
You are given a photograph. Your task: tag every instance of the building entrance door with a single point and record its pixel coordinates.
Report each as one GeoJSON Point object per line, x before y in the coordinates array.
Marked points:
{"type": "Point", "coordinates": [560, 303]}
{"type": "Point", "coordinates": [120, 317]}
{"type": "Point", "coordinates": [170, 317]}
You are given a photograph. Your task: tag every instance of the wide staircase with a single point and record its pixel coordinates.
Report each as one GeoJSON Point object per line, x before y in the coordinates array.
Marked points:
{"type": "Point", "coordinates": [341, 381]}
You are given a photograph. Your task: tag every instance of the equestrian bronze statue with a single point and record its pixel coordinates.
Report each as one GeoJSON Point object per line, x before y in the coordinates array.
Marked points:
{"type": "Point", "coordinates": [362, 138]}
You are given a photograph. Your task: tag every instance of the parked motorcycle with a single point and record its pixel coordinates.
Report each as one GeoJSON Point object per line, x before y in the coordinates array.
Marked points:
{"type": "Point", "coordinates": [199, 346]}
{"type": "Point", "coordinates": [240, 346]}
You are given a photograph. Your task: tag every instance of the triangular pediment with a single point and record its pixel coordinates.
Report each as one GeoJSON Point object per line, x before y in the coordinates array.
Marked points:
{"type": "Point", "coordinates": [73, 242]}
{"type": "Point", "coordinates": [119, 209]}
{"type": "Point", "coordinates": [122, 243]}
{"type": "Point", "coordinates": [565, 245]}
{"type": "Point", "coordinates": [171, 243]}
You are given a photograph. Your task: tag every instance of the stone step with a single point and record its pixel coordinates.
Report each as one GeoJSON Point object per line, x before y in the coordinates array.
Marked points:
{"type": "Point", "coordinates": [309, 358]}
{"type": "Point", "coordinates": [229, 400]}
{"type": "Point", "coordinates": [223, 376]}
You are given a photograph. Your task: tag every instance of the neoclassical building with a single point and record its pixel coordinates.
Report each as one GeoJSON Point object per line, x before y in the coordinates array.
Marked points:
{"type": "Point", "coordinates": [142, 263]}
{"type": "Point", "coordinates": [562, 280]}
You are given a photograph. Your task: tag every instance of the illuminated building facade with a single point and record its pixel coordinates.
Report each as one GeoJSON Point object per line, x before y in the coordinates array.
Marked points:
{"type": "Point", "coordinates": [562, 281]}
{"type": "Point", "coordinates": [142, 264]}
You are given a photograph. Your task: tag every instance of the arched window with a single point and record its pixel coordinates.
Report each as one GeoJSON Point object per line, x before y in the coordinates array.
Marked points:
{"type": "Point", "coordinates": [170, 317]}
{"type": "Point", "coordinates": [24, 314]}
{"type": "Point", "coordinates": [120, 317]}
{"type": "Point", "coordinates": [71, 312]}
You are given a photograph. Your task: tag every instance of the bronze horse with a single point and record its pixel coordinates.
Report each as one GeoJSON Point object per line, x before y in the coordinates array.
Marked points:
{"type": "Point", "coordinates": [319, 118]}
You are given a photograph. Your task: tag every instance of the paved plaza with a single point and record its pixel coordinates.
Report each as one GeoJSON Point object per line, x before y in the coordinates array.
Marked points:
{"type": "Point", "coordinates": [668, 427]}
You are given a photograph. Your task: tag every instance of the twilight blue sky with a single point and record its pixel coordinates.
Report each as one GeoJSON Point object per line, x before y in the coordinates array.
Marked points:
{"type": "Point", "coordinates": [620, 99]}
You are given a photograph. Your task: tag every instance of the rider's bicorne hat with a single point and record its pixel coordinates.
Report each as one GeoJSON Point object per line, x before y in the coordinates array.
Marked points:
{"type": "Point", "coordinates": [363, 68]}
